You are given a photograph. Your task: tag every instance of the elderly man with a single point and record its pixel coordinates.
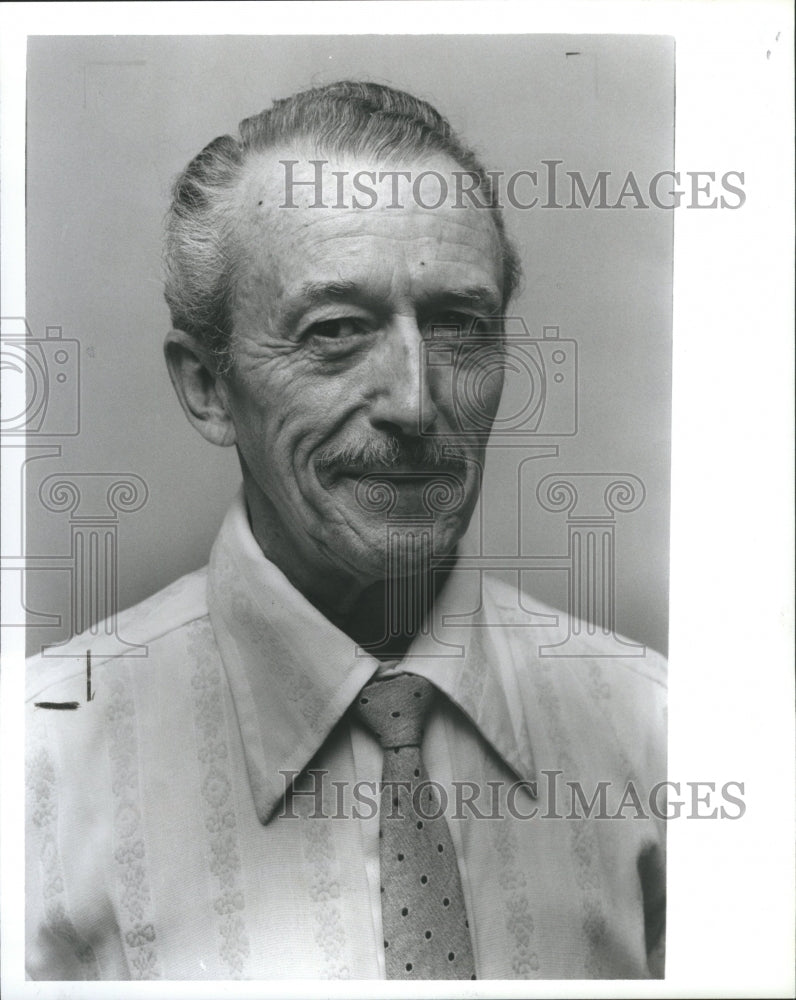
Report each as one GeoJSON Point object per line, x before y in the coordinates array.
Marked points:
{"type": "Point", "coordinates": [318, 771]}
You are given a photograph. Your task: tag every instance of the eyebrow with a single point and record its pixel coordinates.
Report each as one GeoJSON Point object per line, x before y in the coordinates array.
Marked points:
{"type": "Point", "coordinates": [484, 296]}
{"type": "Point", "coordinates": [314, 292]}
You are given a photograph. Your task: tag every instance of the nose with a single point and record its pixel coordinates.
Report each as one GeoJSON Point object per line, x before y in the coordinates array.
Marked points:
{"type": "Point", "coordinates": [402, 400]}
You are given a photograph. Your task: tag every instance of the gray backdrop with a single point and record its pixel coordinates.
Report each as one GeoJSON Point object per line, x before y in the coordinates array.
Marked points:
{"type": "Point", "coordinates": [111, 120]}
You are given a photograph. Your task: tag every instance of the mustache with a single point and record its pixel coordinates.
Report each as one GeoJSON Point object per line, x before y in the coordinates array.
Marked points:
{"type": "Point", "coordinates": [392, 452]}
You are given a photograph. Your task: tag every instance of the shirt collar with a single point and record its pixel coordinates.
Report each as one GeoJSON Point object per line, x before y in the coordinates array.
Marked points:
{"type": "Point", "coordinates": [293, 674]}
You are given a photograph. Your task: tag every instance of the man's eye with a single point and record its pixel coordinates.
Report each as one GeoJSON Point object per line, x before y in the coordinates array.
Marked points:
{"type": "Point", "coordinates": [337, 329]}
{"type": "Point", "coordinates": [450, 324]}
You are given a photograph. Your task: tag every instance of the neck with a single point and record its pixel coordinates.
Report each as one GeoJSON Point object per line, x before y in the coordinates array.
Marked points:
{"type": "Point", "coordinates": [390, 613]}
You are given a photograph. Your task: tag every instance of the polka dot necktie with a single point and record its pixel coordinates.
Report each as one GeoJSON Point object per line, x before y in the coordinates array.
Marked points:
{"type": "Point", "coordinates": [426, 933]}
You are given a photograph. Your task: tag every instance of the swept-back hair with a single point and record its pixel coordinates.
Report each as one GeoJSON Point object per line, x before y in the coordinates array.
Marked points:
{"type": "Point", "coordinates": [346, 117]}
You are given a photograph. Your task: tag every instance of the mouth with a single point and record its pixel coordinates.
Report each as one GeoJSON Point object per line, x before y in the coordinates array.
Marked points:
{"type": "Point", "coordinates": [402, 477]}
{"type": "Point", "coordinates": [401, 463]}
{"type": "Point", "coordinates": [401, 470]}
{"type": "Point", "coordinates": [407, 492]}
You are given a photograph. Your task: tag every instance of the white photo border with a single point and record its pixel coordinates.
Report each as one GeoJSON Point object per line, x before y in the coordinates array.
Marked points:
{"type": "Point", "coordinates": [731, 896]}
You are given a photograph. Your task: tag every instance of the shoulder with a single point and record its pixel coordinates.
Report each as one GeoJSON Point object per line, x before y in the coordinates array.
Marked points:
{"type": "Point", "coordinates": [556, 636]}
{"type": "Point", "coordinates": [137, 693]}
{"type": "Point", "coordinates": [601, 682]}
{"type": "Point", "coordinates": [161, 620]}
{"type": "Point", "coordinates": [602, 693]}
{"type": "Point", "coordinates": [96, 774]}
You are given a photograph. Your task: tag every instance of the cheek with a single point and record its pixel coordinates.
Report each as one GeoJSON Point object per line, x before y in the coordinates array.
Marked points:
{"type": "Point", "coordinates": [283, 418]}
{"type": "Point", "coordinates": [493, 390]}
{"type": "Point", "coordinates": [470, 391]}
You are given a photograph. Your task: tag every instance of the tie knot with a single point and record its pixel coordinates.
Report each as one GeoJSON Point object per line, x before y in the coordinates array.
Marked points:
{"type": "Point", "coordinates": [396, 709]}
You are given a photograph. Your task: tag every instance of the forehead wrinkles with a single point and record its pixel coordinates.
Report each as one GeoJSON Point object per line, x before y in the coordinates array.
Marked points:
{"type": "Point", "coordinates": [278, 244]}
{"type": "Point", "coordinates": [434, 239]}
{"type": "Point", "coordinates": [267, 230]}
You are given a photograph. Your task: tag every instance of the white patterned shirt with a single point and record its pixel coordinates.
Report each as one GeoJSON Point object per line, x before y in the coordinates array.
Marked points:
{"type": "Point", "coordinates": [165, 840]}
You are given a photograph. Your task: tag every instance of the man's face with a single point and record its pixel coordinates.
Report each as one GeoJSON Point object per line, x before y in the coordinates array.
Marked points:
{"type": "Point", "coordinates": [333, 314]}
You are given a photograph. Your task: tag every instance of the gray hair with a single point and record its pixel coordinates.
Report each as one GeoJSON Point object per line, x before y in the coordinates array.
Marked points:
{"type": "Point", "coordinates": [346, 117]}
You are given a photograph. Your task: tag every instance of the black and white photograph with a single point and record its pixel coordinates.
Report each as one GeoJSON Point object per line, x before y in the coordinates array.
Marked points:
{"type": "Point", "coordinates": [337, 564]}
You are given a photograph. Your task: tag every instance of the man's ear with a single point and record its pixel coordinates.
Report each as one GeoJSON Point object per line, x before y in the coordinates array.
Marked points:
{"type": "Point", "coordinates": [200, 389]}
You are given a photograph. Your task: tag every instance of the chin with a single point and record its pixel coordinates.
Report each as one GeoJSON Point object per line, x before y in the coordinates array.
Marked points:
{"type": "Point", "coordinates": [399, 548]}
